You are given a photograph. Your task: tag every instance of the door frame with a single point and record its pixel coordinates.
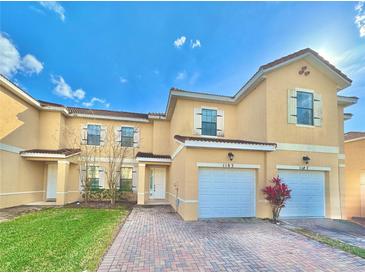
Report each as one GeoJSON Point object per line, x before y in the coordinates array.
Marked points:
{"type": "Point", "coordinates": [152, 180]}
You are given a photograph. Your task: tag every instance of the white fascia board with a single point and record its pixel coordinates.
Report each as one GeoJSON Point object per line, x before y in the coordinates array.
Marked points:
{"type": "Point", "coordinates": [307, 148]}
{"type": "Point", "coordinates": [211, 144]}
{"type": "Point", "coordinates": [346, 101]}
{"type": "Point", "coordinates": [203, 96]}
{"type": "Point", "coordinates": [59, 109]}
{"type": "Point", "coordinates": [47, 155]}
{"type": "Point", "coordinates": [20, 93]}
{"type": "Point", "coordinates": [355, 139]}
{"type": "Point", "coordinates": [91, 116]}
{"type": "Point", "coordinates": [310, 168]}
{"type": "Point", "coordinates": [158, 160]}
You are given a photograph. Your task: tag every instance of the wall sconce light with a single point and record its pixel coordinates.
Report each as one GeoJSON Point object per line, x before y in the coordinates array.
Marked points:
{"type": "Point", "coordinates": [230, 156]}
{"type": "Point", "coordinates": [306, 159]}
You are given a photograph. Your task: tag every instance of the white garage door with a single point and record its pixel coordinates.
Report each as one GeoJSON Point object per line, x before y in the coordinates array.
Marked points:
{"type": "Point", "coordinates": [307, 196]}
{"type": "Point", "coordinates": [226, 193]}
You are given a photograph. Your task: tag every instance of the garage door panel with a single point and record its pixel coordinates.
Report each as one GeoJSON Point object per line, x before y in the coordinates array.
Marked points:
{"type": "Point", "coordinates": [307, 196]}
{"type": "Point", "coordinates": [226, 193]}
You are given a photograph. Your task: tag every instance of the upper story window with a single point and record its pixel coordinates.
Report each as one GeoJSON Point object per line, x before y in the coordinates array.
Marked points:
{"type": "Point", "coordinates": [209, 122]}
{"type": "Point", "coordinates": [127, 136]}
{"type": "Point", "coordinates": [126, 179]}
{"type": "Point", "coordinates": [304, 108]}
{"type": "Point", "coordinates": [94, 178]}
{"type": "Point", "coordinates": [93, 135]}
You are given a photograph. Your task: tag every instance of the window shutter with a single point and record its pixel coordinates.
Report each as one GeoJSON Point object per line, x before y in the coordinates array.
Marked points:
{"type": "Point", "coordinates": [197, 121]}
{"type": "Point", "coordinates": [82, 177]}
{"type": "Point", "coordinates": [101, 178]}
{"type": "Point", "coordinates": [292, 106]}
{"type": "Point", "coordinates": [220, 123]}
{"type": "Point", "coordinates": [118, 135]}
{"type": "Point", "coordinates": [83, 135]}
{"type": "Point", "coordinates": [102, 135]}
{"type": "Point", "coordinates": [136, 137]}
{"type": "Point", "coordinates": [317, 109]}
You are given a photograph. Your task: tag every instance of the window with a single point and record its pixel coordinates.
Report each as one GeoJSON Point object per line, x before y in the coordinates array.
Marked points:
{"type": "Point", "coordinates": [127, 136]}
{"type": "Point", "coordinates": [93, 176]}
{"type": "Point", "coordinates": [304, 108]}
{"type": "Point", "coordinates": [209, 122]}
{"type": "Point", "coordinates": [93, 135]}
{"type": "Point", "coordinates": [126, 179]}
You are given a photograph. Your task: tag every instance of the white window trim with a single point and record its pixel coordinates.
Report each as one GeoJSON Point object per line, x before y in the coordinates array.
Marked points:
{"type": "Point", "coordinates": [309, 91]}
{"type": "Point", "coordinates": [310, 168]}
{"type": "Point", "coordinates": [216, 122]}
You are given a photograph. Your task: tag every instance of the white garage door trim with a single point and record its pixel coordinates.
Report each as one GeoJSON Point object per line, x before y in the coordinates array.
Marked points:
{"type": "Point", "coordinates": [322, 174]}
{"type": "Point", "coordinates": [249, 211]}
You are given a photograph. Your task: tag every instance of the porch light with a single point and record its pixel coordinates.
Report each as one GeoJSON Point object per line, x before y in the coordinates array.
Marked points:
{"type": "Point", "coordinates": [230, 156]}
{"type": "Point", "coordinates": [306, 159]}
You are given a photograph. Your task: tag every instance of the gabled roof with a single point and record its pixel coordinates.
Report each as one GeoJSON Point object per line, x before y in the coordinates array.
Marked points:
{"type": "Point", "coordinates": [354, 136]}
{"type": "Point", "coordinates": [308, 54]}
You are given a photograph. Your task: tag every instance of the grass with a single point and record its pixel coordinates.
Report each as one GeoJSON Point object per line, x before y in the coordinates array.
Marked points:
{"type": "Point", "coordinates": [58, 239]}
{"type": "Point", "coordinates": [358, 251]}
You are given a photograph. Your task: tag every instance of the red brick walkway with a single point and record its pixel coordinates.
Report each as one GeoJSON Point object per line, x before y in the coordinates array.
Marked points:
{"type": "Point", "coordinates": [156, 239]}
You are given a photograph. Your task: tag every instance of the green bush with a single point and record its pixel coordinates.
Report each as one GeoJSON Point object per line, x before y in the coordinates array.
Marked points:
{"type": "Point", "coordinates": [103, 194]}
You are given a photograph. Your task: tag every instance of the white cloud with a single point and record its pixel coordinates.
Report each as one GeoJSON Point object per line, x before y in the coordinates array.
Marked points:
{"type": "Point", "coordinates": [181, 75]}
{"type": "Point", "coordinates": [64, 90]}
{"type": "Point", "coordinates": [94, 100]}
{"type": "Point", "coordinates": [11, 61]}
{"type": "Point", "coordinates": [9, 57]}
{"type": "Point", "coordinates": [179, 42]}
{"type": "Point", "coordinates": [55, 7]}
{"type": "Point", "coordinates": [123, 80]}
{"type": "Point", "coordinates": [156, 71]}
{"type": "Point", "coordinates": [195, 44]}
{"type": "Point", "coordinates": [30, 64]}
{"type": "Point", "coordinates": [360, 18]}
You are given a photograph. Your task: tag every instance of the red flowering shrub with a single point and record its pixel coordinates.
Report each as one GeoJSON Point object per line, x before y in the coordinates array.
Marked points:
{"type": "Point", "coordinates": [277, 195]}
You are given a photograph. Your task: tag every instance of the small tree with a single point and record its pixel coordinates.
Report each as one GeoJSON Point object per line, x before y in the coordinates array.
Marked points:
{"type": "Point", "coordinates": [277, 195]}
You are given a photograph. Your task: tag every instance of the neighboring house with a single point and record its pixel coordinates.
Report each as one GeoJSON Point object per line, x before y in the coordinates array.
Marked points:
{"type": "Point", "coordinates": [207, 155]}
{"type": "Point", "coordinates": [354, 191]}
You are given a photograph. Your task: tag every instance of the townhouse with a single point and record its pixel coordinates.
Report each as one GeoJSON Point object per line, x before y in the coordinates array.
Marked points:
{"type": "Point", "coordinates": [208, 155]}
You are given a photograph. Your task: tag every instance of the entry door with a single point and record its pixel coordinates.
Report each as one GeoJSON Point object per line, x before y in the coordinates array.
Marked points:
{"type": "Point", "coordinates": [307, 193]}
{"type": "Point", "coordinates": [157, 183]}
{"type": "Point", "coordinates": [52, 182]}
{"type": "Point", "coordinates": [362, 193]}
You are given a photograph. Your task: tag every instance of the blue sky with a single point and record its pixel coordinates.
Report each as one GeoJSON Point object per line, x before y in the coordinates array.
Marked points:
{"type": "Point", "coordinates": [127, 55]}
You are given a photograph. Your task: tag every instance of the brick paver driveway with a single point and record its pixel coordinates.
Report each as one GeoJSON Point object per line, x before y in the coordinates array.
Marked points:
{"type": "Point", "coordinates": [156, 239]}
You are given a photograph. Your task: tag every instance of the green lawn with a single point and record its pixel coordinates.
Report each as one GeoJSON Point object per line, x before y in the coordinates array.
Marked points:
{"type": "Point", "coordinates": [331, 242]}
{"type": "Point", "coordinates": [58, 239]}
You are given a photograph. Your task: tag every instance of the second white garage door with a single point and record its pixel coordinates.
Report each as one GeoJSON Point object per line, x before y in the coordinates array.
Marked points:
{"type": "Point", "coordinates": [225, 193]}
{"type": "Point", "coordinates": [307, 196]}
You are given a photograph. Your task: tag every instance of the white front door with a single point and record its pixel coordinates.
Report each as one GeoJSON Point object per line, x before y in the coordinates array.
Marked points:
{"type": "Point", "coordinates": [157, 183]}
{"type": "Point", "coordinates": [52, 182]}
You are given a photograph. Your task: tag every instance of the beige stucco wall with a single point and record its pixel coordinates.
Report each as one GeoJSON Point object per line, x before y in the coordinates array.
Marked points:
{"type": "Point", "coordinates": [355, 165]}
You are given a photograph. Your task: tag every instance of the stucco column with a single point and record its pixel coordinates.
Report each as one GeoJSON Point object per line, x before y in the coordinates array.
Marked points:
{"type": "Point", "coordinates": [141, 183]}
{"type": "Point", "coordinates": [62, 178]}
{"type": "Point", "coordinates": [335, 199]}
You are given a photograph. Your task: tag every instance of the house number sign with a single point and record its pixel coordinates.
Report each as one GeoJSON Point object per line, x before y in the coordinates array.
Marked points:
{"type": "Point", "coordinates": [228, 165]}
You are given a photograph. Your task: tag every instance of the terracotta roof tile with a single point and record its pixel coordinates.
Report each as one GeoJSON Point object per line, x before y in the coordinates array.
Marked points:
{"type": "Point", "coordinates": [45, 103]}
{"type": "Point", "coordinates": [354, 135]}
{"type": "Point", "coordinates": [151, 155]}
{"type": "Point", "coordinates": [77, 110]}
{"type": "Point", "coordinates": [62, 151]}
{"type": "Point", "coordinates": [220, 140]}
